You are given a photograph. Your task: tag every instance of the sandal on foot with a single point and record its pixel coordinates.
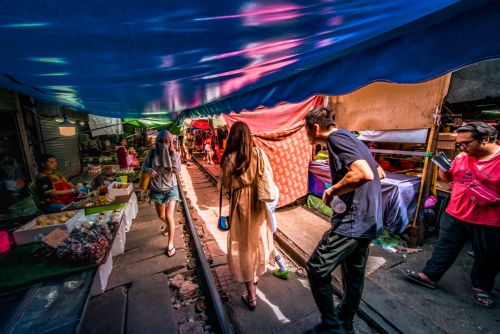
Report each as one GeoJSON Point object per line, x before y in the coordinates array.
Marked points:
{"type": "Point", "coordinates": [416, 278]}
{"type": "Point", "coordinates": [281, 274]}
{"type": "Point", "coordinates": [171, 252]}
{"type": "Point", "coordinates": [247, 301]}
{"type": "Point", "coordinates": [484, 296]}
{"type": "Point", "coordinates": [200, 305]}
{"type": "Point", "coordinates": [165, 234]}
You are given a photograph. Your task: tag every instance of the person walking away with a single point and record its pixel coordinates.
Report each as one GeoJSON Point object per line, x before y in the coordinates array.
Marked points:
{"type": "Point", "coordinates": [121, 152]}
{"type": "Point", "coordinates": [55, 190]}
{"type": "Point", "coordinates": [356, 181]}
{"type": "Point", "coordinates": [182, 148]}
{"type": "Point", "coordinates": [466, 217]}
{"type": "Point", "coordinates": [208, 149]}
{"type": "Point", "coordinates": [162, 163]}
{"type": "Point", "coordinates": [189, 144]}
{"type": "Point", "coordinates": [250, 242]}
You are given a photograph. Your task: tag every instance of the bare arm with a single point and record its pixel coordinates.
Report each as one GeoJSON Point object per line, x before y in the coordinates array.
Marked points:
{"type": "Point", "coordinates": [381, 173]}
{"type": "Point", "coordinates": [445, 175]}
{"type": "Point", "coordinates": [359, 173]}
{"type": "Point", "coordinates": [60, 192]}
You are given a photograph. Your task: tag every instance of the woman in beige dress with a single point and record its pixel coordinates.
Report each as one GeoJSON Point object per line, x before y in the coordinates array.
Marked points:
{"type": "Point", "coordinates": [250, 239]}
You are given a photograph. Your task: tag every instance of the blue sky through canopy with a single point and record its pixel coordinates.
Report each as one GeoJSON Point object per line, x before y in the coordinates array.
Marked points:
{"type": "Point", "coordinates": [133, 59]}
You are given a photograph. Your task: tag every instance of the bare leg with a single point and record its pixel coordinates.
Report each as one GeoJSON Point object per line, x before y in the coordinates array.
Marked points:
{"type": "Point", "coordinates": [160, 211]}
{"type": "Point", "coordinates": [169, 211]}
{"type": "Point", "coordinates": [251, 292]}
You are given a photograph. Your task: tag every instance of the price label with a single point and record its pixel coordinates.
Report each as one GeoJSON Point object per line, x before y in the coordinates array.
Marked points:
{"type": "Point", "coordinates": [54, 237]}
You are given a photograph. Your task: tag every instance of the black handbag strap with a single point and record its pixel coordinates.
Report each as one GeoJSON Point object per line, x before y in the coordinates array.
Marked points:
{"type": "Point", "coordinates": [220, 201]}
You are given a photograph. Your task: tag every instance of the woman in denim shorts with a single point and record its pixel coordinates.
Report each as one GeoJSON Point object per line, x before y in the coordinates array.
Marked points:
{"type": "Point", "coordinates": [162, 163]}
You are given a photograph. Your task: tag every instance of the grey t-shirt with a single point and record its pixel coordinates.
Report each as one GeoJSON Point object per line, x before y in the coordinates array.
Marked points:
{"type": "Point", "coordinates": [363, 216]}
{"type": "Point", "coordinates": [165, 179]}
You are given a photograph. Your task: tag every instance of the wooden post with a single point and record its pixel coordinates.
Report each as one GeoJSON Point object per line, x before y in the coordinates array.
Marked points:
{"type": "Point", "coordinates": [417, 228]}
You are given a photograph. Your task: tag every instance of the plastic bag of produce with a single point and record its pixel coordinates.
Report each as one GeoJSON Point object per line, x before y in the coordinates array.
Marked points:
{"type": "Point", "coordinates": [23, 207]}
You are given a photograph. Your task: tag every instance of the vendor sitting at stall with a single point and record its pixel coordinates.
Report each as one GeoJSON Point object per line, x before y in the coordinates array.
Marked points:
{"type": "Point", "coordinates": [56, 191]}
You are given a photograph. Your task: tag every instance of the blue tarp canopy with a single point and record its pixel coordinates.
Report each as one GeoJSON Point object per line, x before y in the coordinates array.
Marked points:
{"type": "Point", "coordinates": [133, 59]}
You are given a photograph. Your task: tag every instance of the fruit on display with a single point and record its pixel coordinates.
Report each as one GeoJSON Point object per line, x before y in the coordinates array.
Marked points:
{"type": "Point", "coordinates": [104, 200]}
{"type": "Point", "coordinates": [120, 185]}
{"type": "Point", "coordinates": [47, 220]}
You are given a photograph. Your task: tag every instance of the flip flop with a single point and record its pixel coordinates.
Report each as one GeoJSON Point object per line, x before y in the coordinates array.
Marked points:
{"type": "Point", "coordinates": [416, 278]}
{"type": "Point", "coordinates": [484, 296]}
{"type": "Point", "coordinates": [248, 301]}
{"type": "Point", "coordinates": [169, 252]}
{"type": "Point", "coordinates": [200, 304]}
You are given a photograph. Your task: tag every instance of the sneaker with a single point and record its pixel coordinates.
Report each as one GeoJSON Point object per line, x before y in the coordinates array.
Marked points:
{"type": "Point", "coordinates": [281, 274]}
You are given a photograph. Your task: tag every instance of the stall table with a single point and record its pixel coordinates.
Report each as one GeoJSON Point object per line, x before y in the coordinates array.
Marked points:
{"type": "Point", "coordinates": [57, 304]}
{"type": "Point", "coordinates": [399, 195]}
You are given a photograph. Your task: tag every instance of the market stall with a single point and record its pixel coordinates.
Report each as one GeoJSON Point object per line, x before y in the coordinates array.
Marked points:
{"type": "Point", "coordinates": [69, 254]}
{"type": "Point", "coordinates": [398, 124]}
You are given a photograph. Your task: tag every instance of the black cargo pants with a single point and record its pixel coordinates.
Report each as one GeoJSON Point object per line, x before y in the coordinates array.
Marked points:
{"type": "Point", "coordinates": [352, 255]}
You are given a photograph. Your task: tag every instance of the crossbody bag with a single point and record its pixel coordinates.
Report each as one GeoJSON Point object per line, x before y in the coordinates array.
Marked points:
{"type": "Point", "coordinates": [478, 192]}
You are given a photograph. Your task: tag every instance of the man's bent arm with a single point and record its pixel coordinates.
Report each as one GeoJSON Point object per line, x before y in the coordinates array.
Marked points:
{"type": "Point", "coordinates": [359, 174]}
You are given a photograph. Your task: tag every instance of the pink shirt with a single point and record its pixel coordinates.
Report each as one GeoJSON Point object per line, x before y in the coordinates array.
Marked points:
{"type": "Point", "coordinates": [487, 173]}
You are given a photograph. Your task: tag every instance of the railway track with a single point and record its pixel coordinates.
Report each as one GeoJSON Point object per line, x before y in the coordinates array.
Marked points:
{"type": "Point", "coordinates": [216, 310]}
{"type": "Point", "coordinates": [375, 321]}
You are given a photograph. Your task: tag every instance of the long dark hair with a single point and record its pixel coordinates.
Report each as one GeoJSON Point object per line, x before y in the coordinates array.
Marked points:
{"type": "Point", "coordinates": [239, 142]}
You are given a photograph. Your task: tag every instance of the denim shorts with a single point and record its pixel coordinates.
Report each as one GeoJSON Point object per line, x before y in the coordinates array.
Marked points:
{"type": "Point", "coordinates": [164, 196]}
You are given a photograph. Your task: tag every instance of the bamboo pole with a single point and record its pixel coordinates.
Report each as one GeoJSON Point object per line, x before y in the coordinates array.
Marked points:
{"type": "Point", "coordinates": [430, 144]}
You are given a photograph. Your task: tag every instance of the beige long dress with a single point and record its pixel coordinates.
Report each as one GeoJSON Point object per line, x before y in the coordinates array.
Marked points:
{"type": "Point", "coordinates": [250, 239]}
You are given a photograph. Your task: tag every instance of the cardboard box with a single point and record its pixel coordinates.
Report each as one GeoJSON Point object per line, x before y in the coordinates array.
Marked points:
{"type": "Point", "coordinates": [122, 191]}
{"type": "Point", "coordinates": [28, 236]}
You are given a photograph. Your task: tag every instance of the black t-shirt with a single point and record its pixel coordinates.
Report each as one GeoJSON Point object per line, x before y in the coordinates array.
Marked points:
{"type": "Point", "coordinates": [363, 215]}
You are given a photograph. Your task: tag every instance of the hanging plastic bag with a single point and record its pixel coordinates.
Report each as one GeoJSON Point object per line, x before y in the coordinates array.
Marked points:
{"type": "Point", "coordinates": [15, 181]}
{"type": "Point", "coordinates": [24, 207]}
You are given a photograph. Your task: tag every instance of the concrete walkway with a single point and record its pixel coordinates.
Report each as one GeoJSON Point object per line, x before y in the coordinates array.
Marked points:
{"type": "Point", "coordinates": [137, 297]}
{"type": "Point", "coordinates": [412, 308]}
{"type": "Point", "coordinates": [284, 306]}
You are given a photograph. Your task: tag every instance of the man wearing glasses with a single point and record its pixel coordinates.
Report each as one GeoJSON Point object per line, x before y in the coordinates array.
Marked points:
{"type": "Point", "coordinates": [468, 217]}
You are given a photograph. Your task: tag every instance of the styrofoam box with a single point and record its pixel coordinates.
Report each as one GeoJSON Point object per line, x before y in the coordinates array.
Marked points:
{"type": "Point", "coordinates": [28, 236]}
{"type": "Point", "coordinates": [120, 192]}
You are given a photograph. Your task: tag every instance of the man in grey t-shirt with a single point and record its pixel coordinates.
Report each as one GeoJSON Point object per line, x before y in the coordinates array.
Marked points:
{"type": "Point", "coordinates": [356, 181]}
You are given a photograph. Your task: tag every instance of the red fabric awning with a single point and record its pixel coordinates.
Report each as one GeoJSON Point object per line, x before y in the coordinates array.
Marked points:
{"type": "Point", "coordinates": [201, 124]}
{"type": "Point", "coordinates": [280, 133]}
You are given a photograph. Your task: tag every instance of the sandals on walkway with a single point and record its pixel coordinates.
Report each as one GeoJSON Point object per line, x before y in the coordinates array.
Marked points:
{"type": "Point", "coordinates": [171, 251]}
{"type": "Point", "coordinates": [484, 296]}
{"type": "Point", "coordinates": [414, 276]}
{"type": "Point", "coordinates": [247, 301]}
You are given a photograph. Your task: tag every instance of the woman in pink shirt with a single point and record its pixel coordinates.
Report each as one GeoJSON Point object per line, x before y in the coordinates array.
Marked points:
{"type": "Point", "coordinates": [466, 218]}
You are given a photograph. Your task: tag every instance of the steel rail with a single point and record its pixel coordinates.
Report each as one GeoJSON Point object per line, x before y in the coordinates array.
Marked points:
{"type": "Point", "coordinates": [222, 317]}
